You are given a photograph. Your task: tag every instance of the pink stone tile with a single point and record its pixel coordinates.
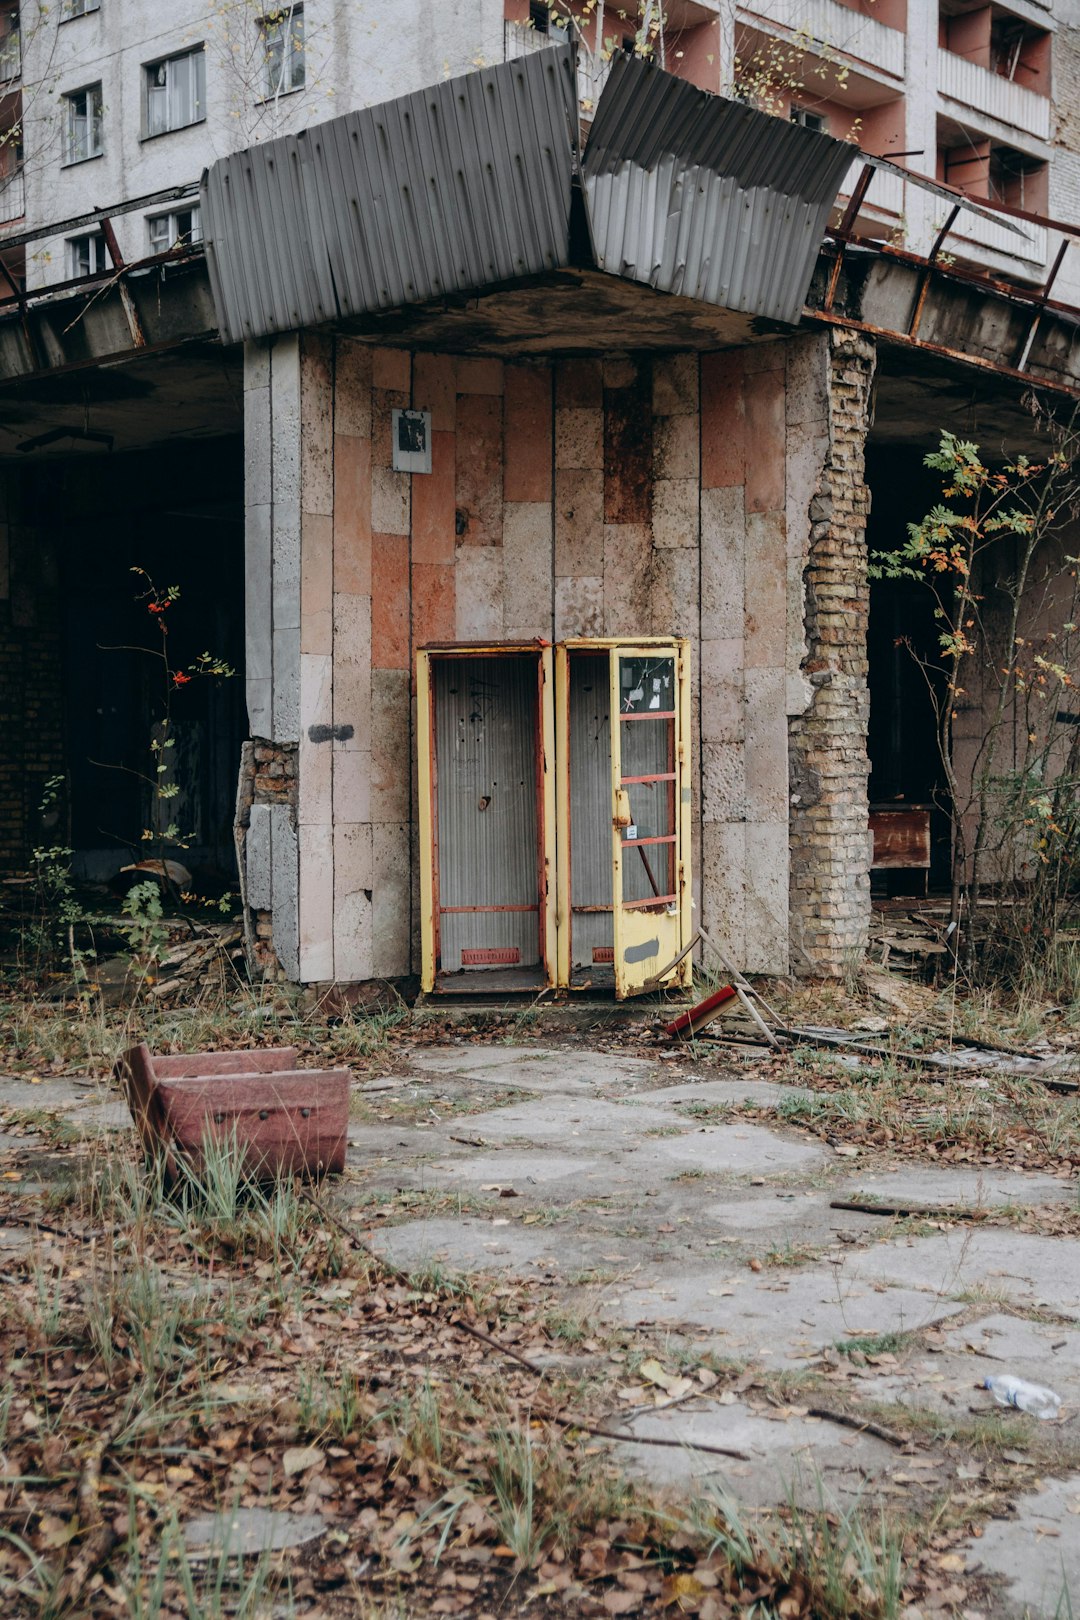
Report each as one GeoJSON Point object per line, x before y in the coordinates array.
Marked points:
{"type": "Point", "coordinates": [579, 437]}
{"type": "Point", "coordinates": [579, 523]}
{"type": "Point", "coordinates": [479, 468]}
{"type": "Point", "coordinates": [579, 607]}
{"type": "Point", "coordinates": [723, 452]}
{"type": "Point", "coordinates": [675, 447]}
{"type": "Point", "coordinates": [765, 589]}
{"type": "Point", "coordinates": [316, 584]}
{"type": "Point", "coordinates": [390, 601]}
{"type": "Point", "coordinates": [527, 464]}
{"type": "Point", "coordinates": [765, 431]}
{"type": "Point", "coordinates": [352, 387]}
{"type": "Point", "coordinates": [434, 612]}
{"type": "Point", "coordinates": [433, 504]}
{"type": "Point", "coordinates": [391, 758]}
{"type": "Point", "coordinates": [477, 375]}
{"type": "Point", "coordinates": [391, 368]}
{"type": "Point", "coordinates": [352, 514]}
{"type": "Point", "coordinates": [675, 384]}
{"type": "Point", "coordinates": [578, 383]}
{"type": "Point", "coordinates": [434, 389]}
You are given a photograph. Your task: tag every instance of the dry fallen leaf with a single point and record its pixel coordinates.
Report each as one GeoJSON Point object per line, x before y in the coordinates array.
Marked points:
{"type": "Point", "coordinates": [299, 1458]}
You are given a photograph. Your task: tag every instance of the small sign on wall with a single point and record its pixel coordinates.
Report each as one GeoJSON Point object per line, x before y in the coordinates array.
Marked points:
{"type": "Point", "coordinates": [411, 432]}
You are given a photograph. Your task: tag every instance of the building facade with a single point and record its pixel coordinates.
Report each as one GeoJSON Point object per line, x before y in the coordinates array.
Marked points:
{"type": "Point", "coordinates": [103, 103]}
{"type": "Point", "coordinates": [629, 462]}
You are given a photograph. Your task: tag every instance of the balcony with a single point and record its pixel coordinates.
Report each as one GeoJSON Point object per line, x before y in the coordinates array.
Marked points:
{"type": "Point", "coordinates": [520, 38]}
{"type": "Point", "coordinates": [835, 26]}
{"type": "Point", "coordinates": [12, 199]}
{"type": "Point", "coordinates": [995, 97]}
{"type": "Point", "coordinates": [886, 194]}
{"type": "Point", "coordinates": [987, 233]}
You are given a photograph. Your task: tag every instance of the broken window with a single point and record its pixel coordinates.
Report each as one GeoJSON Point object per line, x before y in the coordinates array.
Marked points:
{"type": "Point", "coordinates": [180, 228]}
{"type": "Point", "coordinates": [176, 92]}
{"type": "Point", "coordinates": [283, 45]}
{"type": "Point", "coordinates": [83, 124]}
{"type": "Point", "coordinates": [87, 255]}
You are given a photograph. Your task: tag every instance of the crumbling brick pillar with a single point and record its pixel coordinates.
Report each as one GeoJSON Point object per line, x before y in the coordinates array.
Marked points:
{"type": "Point", "coordinates": [829, 768]}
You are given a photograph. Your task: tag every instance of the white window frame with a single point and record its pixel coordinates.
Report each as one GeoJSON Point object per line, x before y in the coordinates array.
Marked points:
{"type": "Point", "coordinates": [808, 119]}
{"type": "Point", "coordinates": [97, 255]}
{"type": "Point", "coordinates": [173, 236]}
{"type": "Point", "coordinates": [90, 143]}
{"type": "Point", "coordinates": [174, 92]}
{"type": "Point", "coordinates": [78, 8]}
{"type": "Point", "coordinates": [282, 34]}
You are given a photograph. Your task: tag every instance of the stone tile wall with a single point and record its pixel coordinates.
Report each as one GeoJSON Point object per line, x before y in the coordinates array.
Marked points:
{"type": "Point", "coordinates": [607, 496]}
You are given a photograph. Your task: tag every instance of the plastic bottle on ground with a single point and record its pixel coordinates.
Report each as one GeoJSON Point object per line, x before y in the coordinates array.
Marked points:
{"type": "Point", "coordinates": [1033, 1398]}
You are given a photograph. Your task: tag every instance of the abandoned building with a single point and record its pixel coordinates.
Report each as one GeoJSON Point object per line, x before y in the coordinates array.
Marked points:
{"type": "Point", "coordinates": [530, 477]}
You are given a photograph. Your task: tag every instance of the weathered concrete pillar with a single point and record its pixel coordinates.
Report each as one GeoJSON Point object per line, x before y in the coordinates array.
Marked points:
{"type": "Point", "coordinates": [267, 803]}
{"type": "Point", "coordinates": [830, 855]}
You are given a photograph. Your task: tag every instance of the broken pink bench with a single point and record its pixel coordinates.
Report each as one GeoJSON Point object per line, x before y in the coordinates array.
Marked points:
{"type": "Point", "coordinates": [290, 1121]}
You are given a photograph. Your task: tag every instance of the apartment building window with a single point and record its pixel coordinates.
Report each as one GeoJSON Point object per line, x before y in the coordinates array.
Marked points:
{"type": "Point", "coordinates": [810, 120]}
{"type": "Point", "coordinates": [176, 92]}
{"type": "Point", "coordinates": [283, 46]}
{"type": "Point", "coordinates": [1017, 179]}
{"type": "Point", "coordinates": [78, 8]}
{"type": "Point", "coordinates": [82, 125]}
{"type": "Point", "coordinates": [178, 229]}
{"type": "Point", "coordinates": [10, 42]}
{"type": "Point", "coordinates": [87, 255]}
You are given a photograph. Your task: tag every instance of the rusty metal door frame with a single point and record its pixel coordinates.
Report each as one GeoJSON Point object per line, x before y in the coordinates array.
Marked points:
{"type": "Point", "coordinates": [553, 799]}
{"type": "Point", "coordinates": [428, 796]}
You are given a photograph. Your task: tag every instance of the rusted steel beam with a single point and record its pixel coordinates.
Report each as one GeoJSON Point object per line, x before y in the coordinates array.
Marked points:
{"type": "Point", "coordinates": [131, 314]}
{"type": "Point", "coordinates": [889, 335]}
{"type": "Point", "coordinates": [843, 231]}
{"type": "Point", "coordinates": [1029, 341]}
{"type": "Point", "coordinates": [928, 269]}
{"type": "Point", "coordinates": [61, 227]}
{"type": "Point", "coordinates": [97, 282]}
{"type": "Point", "coordinates": [1014, 291]}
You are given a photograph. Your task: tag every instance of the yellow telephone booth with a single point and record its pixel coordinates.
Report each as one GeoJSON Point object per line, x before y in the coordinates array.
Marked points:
{"type": "Point", "coordinates": [555, 815]}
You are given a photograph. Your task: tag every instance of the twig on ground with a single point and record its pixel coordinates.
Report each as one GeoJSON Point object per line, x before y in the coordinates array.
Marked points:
{"type": "Point", "coordinates": [100, 1533]}
{"type": "Point", "coordinates": [934, 1212]}
{"type": "Point", "coordinates": [848, 1420]}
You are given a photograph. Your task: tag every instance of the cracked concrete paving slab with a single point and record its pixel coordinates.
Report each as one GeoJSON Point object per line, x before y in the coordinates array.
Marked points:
{"type": "Point", "coordinates": [595, 1121]}
{"type": "Point", "coordinates": [787, 1455]}
{"type": "Point", "coordinates": [508, 1169]}
{"type": "Point", "coordinates": [1036, 1551]}
{"type": "Point", "coordinates": [732, 1150]}
{"type": "Point", "coordinates": [793, 1314]}
{"type": "Point", "coordinates": [1030, 1271]}
{"type": "Point", "coordinates": [650, 1140]}
{"type": "Point", "coordinates": [726, 1093]}
{"type": "Point", "coordinates": [478, 1245]}
{"type": "Point", "coordinates": [48, 1093]}
{"type": "Point", "coordinates": [534, 1068]}
{"type": "Point", "coordinates": [973, 1189]}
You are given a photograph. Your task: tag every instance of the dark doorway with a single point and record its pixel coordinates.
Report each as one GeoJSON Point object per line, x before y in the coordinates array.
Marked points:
{"type": "Point", "coordinates": [176, 512]}
{"type": "Point", "coordinates": [904, 670]}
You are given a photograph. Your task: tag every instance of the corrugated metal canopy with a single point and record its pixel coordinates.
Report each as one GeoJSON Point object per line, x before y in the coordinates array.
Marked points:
{"type": "Point", "coordinates": [467, 185]}
{"type": "Point", "coordinates": [705, 197]}
{"type": "Point", "coordinates": [459, 186]}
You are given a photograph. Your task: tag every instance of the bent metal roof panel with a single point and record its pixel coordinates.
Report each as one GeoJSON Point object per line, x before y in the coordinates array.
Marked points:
{"type": "Point", "coordinates": [705, 197]}
{"type": "Point", "coordinates": [467, 185]}
{"type": "Point", "coordinates": [454, 188]}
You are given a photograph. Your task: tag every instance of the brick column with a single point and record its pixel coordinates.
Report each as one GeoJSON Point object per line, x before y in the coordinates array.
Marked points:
{"type": "Point", "coordinates": [830, 865]}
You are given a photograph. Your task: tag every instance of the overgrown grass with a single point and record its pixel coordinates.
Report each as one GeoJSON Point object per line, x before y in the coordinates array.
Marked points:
{"type": "Point", "coordinates": [897, 1108]}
